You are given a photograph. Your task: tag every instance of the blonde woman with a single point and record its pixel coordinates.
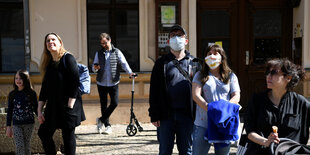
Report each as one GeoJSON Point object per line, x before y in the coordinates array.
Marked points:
{"type": "Point", "coordinates": [60, 94]}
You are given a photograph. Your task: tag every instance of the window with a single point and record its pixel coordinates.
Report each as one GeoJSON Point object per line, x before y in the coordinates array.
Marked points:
{"type": "Point", "coordinates": [12, 51]}
{"type": "Point", "coordinates": [267, 35]}
{"type": "Point", "coordinates": [218, 31]}
{"type": "Point", "coordinates": [120, 19]}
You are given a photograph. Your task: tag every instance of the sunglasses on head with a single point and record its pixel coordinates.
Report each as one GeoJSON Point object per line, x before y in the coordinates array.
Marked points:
{"type": "Point", "coordinates": [272, 72]}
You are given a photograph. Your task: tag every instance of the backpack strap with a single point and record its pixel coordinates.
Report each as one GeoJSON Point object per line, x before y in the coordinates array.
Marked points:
{"type": "Point", "coordinates": [64, 59]}
{"type": "Point", "coordinates": [184, 73]}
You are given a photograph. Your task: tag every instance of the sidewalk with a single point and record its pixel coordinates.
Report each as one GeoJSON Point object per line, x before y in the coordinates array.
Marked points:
{"type": "Point", "coordinates": [119, 143]}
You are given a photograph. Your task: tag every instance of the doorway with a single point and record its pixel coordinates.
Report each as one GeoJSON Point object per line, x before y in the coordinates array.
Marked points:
{"type": "Point", "coordinates": [251, 32]}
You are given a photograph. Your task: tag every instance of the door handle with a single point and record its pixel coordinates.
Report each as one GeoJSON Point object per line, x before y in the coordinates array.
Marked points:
{"type": "Point", "coordinates": [247, 57]}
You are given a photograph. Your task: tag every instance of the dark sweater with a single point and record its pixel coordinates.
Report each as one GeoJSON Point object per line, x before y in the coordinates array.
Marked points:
{"type": "Point", "coordinates": [21, 106]}
{"type": "Point", "coordinates": [58, 85]}
{"type": "Point", "coordinates": [161, 105]}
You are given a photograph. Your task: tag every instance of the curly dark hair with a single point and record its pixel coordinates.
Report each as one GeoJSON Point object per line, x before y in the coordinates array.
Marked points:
{"type": "Point", "coordinates": [289, 69]}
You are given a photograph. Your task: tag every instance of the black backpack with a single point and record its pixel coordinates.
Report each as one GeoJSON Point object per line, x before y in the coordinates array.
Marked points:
{"type": "Point", "coordinates": [288, 146]}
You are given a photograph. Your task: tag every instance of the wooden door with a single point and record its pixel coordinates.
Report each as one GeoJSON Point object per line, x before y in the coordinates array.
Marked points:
{"type": "Point", "coordinates": [251, 31]}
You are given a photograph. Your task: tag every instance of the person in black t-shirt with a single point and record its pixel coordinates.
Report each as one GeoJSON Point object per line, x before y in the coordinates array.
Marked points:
{"type": "Point", "coordinates": [278, 106]}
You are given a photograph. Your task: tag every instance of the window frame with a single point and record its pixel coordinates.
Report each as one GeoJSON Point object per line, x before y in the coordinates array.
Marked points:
{"type": "Point", "coordinates": [112, 9]}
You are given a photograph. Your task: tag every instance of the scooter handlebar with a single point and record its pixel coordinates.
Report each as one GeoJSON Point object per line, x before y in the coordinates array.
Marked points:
{"type": "Point", "coordinates": [134, 75]}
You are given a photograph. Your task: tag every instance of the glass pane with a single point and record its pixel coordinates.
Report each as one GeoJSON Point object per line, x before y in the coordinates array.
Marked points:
{"type": "Point", "coordinates": [267, 23]}
{"type": "Point", "coordinates": [126, 1]}
{"type": "Point", "coordinates": [266, 48]}
{"type": "Point", "coordinates": [98, 22]}
{"type": "Point", "coordinates": [11, 40]}
{"type": "Point", "coordinates": [99, 1]}
{"type": "Point", "coordinates": [10, 1]}
{"type": "Point", "coordinates": [127, 34]}
{"type": "Point", "coordinates": [267, 27]}
{"type": "Point", "coordinates": [214, 23]}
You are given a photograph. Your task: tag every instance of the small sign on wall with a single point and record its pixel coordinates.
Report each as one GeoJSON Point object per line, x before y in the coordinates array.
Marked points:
{"type": "Point", "coordinates": [298, 32]}
{"type": "Point", "coordinates": [168, 15]}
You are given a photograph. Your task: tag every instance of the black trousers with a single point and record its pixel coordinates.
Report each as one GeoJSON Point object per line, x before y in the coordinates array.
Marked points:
{"type": "Point", "coordinates": [46, 135]}
{"type": "Point", "coordinates": [106, 110]}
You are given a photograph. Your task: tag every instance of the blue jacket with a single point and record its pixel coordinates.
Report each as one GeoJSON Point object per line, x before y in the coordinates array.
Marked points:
{"type": "Point", "coordinates": [223, 122]}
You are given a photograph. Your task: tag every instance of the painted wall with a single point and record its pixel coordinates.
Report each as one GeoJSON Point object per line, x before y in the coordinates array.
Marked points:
{"type": "Point", "coordinates": [147, 30]}
{"type": "Point", "coordinates": [301, 16]}
{"type": "Point", "coordinates": [66, 18]}
{"type": "Point", "coordinates": [147, 34]}
{"type": "Point", "coordinates": [306, 41]}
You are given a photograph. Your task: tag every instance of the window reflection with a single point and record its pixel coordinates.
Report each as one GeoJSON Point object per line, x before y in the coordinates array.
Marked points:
{"type": "Point", "coordinates": [12, 53]}
{"type": "Point", "coordinates": [121, 21]}
{"type": "Point", "coordinates": [99, 1]}
{"type": "Point", "coordinates": [215, 26]}
{"type": "Point", "coordinates": [97, 22]}
{"type": "Point", "coordinates": [127, 1]}
{"type": "Point", "coordinates": [266, 48]}
{"type": "Point", "coordinates": [127, 32]}
{"type": "Point", "coordinates": [267, 35]}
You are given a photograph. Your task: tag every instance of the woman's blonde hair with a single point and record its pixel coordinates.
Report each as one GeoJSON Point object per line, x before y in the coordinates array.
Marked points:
{"type": "Point", "coordinates": [224, 68]}
{"type": "Point", "coordinates": [46, 55]}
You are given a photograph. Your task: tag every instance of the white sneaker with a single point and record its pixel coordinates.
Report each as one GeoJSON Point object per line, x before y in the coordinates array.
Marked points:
{"type": "Point", "coordinates": [108, 130]}
{"type": "Point", "coordinates": [99, 126]}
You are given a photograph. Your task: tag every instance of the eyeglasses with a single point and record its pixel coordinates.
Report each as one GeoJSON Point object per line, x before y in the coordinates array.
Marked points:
{"type": "Point", "coordinates": [272, 72]}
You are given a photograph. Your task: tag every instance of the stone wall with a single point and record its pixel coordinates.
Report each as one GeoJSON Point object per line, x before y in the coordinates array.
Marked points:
{"type": "Point", "coordinates": [7, 144]}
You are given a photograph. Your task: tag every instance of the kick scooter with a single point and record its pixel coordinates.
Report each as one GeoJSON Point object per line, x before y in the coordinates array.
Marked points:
{"type": "Point", "coordinates": [131, 128]}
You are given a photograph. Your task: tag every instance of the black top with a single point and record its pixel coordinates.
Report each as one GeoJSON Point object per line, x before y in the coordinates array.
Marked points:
{"type": "Point", "coordinates": [61, 82]}
{"type": "Point", "coordinates": [292, 116]}
{"type": "Point", "coordinates": [160, 100]}
{"type": "Point", "coordinates": [177, 85]}
{"type": "Point", "coordinates": [21, 106]}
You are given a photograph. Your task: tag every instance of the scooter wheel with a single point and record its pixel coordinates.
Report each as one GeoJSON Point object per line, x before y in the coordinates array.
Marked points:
{"type": "Point", "coordinates": [131, 130]}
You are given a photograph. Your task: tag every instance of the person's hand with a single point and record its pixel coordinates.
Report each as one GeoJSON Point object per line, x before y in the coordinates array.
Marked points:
{"type": "Point", "coordinates": [9, 131]}
{"type": "Point", "coordinates": [41, 118]}
{"type": "Point", "coordinates": [132, 75]}
{"type": "Point", "coordinates": [156, 124]}
{"type": "Point", "coordinates": [96, 66]}
{"type": "Point", "coordinates": [272, 138]}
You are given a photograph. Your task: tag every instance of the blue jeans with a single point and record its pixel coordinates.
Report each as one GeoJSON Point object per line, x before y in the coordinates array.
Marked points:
{"type": "Point", "coordinates": [179, 125]}
{"type": "Point", "coordinates": [202, 147]}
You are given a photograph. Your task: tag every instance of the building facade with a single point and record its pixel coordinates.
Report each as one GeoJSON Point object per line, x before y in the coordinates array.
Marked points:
{"type": "Point", "coordinates": [250, 31]}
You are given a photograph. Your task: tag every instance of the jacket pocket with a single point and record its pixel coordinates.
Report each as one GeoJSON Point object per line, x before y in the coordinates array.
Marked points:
{"type": "Point", "coordinates": [70, 118]}
{"type": "Point", "coordinates": [292, 121]}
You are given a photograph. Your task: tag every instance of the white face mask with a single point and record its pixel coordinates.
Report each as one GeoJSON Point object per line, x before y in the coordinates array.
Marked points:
{"type": "Point", "coordinates": [213, 61]}
{"type": "Point", "coordinates": [177, 43]}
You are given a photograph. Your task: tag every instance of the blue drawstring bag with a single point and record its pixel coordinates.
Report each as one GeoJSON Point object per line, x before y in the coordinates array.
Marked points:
{"type": "Point", "coordinates": [85, 78]}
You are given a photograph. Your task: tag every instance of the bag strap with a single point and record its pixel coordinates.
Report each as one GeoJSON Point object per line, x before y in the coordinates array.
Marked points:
{"type": "Point", "coordinates": [185, 74]}
{"type": "Point", "coordinates": [64, 58]}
